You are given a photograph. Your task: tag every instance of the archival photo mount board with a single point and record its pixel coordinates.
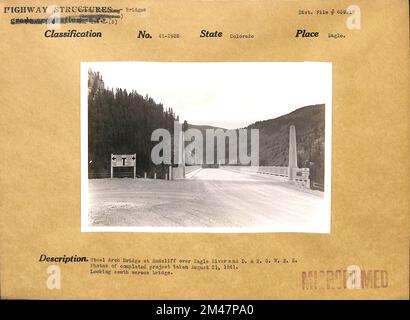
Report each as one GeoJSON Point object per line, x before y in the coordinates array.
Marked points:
{"type": "Point", "coordinates": [45, 253]}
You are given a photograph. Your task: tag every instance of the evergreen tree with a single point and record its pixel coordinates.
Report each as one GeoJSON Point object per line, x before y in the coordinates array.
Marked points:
{"type": "Point", "coordinates": [122, 122]}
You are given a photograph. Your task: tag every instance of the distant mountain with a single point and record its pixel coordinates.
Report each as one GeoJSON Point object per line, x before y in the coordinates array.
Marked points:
{"type": "Point", "coordinates": [202, 128]}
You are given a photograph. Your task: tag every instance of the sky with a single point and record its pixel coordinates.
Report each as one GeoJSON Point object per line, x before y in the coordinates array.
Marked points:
{"type": "Point", "coordinates": [223, 94]}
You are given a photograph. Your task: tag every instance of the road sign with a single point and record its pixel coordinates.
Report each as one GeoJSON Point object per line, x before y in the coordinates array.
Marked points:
{"type": "Point", "coordinates": [123, 160]}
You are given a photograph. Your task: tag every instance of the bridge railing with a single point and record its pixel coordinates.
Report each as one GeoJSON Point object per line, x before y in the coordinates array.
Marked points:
{"type": "Point", "coordinates": [275, 171]}
{"type": "Point", "coordinates": [301, 175]}
{"type": "Point", "coordinates": [268, 170]}
{"type": "Point", "coordinates": [189, 169]}
{"type": "Point", "coordinates": [180, 172]}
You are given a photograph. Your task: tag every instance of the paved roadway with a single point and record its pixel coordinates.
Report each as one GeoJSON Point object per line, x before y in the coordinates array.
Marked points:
{"type": "Point", "coordinates": [209, 198]}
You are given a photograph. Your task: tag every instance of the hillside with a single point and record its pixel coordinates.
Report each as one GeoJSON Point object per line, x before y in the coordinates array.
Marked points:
{"type": "Point", "coordinates": [274, 139]}
{"type": "Point", "coordinates": [310, 138]}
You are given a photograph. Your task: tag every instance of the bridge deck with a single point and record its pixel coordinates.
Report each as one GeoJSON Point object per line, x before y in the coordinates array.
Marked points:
{"type": "Point", "coordinates": [209, 198]}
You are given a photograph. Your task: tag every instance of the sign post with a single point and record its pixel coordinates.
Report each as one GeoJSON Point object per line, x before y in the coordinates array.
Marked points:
{"type": "Point", "coordinates": [123, 160]}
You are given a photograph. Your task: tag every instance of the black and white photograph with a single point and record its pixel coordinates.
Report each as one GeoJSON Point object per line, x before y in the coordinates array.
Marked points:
{"type": "Point", "coordinates": [206, 146]}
